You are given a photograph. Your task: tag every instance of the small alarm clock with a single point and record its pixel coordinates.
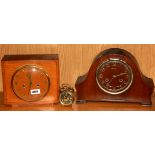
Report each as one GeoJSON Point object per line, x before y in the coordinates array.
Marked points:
{"type": "Point", "coordinates": [67, 95]}
{"type": "Point", "coordinates": [115, 76]}
{"type": "Point", "coordinates": [30, 79]}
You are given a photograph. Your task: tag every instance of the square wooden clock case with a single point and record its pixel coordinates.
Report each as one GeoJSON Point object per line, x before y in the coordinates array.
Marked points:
{"type": "Point", "coordinates": [30, 79]}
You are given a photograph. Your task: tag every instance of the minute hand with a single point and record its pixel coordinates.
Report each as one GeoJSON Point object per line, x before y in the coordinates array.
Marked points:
{"type": "Point", "coordinates": [114, 76]}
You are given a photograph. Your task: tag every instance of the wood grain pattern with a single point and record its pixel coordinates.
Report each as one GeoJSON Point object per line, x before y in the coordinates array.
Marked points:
{"type": "Point", "coordinates": [76, 59]}
{"type": "Point", "coordinates": [9, 67]}
{"type": "Point", "coordinates": [24, 49]}
{"type": "Point", "coordinates": [90, 106]}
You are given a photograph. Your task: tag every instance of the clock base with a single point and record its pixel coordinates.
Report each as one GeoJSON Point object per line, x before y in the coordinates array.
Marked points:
{"type": "Point", "coordinates": [143, 103]}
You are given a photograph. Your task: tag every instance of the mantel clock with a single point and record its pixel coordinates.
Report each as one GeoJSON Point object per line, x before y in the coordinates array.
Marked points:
{"type": "Point", "coordinates": [30, 79]}
{"type": "Point", "coordinates": [115, 76]}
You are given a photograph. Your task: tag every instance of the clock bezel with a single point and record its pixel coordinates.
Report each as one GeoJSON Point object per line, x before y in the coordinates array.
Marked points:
{"type": "Point", "coordinates": [33, 66]}
{"type": "Point", "coordinates": [108, 91]}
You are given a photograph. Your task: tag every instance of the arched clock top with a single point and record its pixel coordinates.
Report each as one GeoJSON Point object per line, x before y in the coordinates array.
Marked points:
{"type": "Point", "coordinates": [115, 76]}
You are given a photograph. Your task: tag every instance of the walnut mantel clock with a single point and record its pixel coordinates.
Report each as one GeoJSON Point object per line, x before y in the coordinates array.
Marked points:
{"type": "Point", "coordinates": [115, 76]}
{"type": "Point", "coordinates": [30, 79]}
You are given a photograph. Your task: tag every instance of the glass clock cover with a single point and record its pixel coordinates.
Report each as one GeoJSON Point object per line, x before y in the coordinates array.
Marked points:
{"type": "Point", "coordinates": [114, 76]}
{"type": "Point", "coordinates": [30, 83]}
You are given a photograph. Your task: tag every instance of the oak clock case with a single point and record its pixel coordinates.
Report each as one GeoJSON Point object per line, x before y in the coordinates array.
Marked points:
{"type": "Point", "coordinates": [115, 76]}
{"type": "Point", "coordinates": [30, 79]}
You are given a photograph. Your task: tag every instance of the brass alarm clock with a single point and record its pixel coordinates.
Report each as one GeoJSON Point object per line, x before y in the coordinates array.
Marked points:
{"type": "Point", "coordinates": [114, 76]}
{"type": "Point", "coordinates": [30, 79]}
{"type": "Point", "coordinates": [67, 95]}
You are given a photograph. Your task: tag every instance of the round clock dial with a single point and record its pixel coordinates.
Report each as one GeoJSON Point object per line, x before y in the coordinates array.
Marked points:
{"type": "Point", "coordinates": [67, 95]}
{"type": "Point", "coordinates": [66, 98]}
{"type": "Point", "coordinates": [30, 83]}
{"type": "Point", "coordinates": [114, 76]}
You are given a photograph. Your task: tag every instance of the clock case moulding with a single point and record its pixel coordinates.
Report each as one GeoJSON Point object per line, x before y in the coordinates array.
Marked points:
{"type": "Point", "coordinates": [140, 90]}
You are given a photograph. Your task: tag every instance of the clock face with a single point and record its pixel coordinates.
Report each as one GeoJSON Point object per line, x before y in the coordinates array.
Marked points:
{"type": "Point", "coordinates": [30, 83]}
{"type": "Point", "coordinates": [66, 98]}
{"type": "Point", "coordinates": [114, 76]}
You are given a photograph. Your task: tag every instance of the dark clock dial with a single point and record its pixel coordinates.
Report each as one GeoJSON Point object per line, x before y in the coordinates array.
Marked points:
{"type": "Point", "coordinates": [114, 76]}
{"type": "Point", "coordinates": [30, 83]}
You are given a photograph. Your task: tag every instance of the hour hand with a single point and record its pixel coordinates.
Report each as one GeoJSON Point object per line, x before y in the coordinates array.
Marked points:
{"type": "Point", "coordinates": [30, 80]}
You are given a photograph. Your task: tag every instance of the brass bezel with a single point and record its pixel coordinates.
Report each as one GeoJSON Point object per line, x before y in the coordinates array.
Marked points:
{"type": "Point", "coordinates": [64, 104]}
{"type": "Point", "coordinates": [34, 66]}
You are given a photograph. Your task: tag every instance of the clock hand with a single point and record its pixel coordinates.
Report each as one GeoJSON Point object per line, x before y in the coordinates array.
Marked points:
{"type": "Point", "coordinates": [110, 80]}
{"type": "Point", "coordinates": [114, 76]}
{"type": "Point", "coordinates": [30, 81]}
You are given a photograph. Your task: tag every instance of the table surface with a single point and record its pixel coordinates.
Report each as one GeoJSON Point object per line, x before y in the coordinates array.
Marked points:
{"type": "Point", "coordinates": [90, 106]}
